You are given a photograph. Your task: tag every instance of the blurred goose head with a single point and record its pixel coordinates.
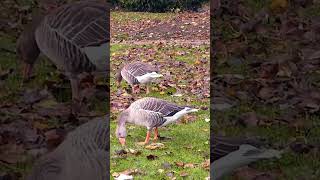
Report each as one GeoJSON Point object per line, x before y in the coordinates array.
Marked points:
{"type": "Point", "coordinates": [49, 5]}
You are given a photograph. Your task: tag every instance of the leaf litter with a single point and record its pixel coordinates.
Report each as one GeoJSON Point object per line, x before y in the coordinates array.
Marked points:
{"type": "Point", "coordinates": [267, 57]}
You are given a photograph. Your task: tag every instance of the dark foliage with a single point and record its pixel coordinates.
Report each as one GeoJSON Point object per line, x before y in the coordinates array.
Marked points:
{"type": "Point", "coordinates": [158, 5]}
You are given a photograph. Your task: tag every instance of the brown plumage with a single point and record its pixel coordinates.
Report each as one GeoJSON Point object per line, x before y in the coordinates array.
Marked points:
{"type": "Point", "coordinates": [26, 46]}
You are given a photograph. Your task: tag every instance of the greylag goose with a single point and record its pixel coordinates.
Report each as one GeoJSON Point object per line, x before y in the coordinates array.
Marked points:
{"type": "Point", "coordinates": [75, 37]}
{"type": "Point", "coordinates": [82, 155]}
{"type": "Point", "coordinates": [228, 154]}
{"type": "Point", "coordinates": [137, 73]}
{"type": "Point", "coordinates": [151, 113]}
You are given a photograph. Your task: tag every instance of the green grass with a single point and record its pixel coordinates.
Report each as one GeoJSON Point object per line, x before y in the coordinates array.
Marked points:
{"type": "Point", "coordinates": [12, 89]}
{"type": "Point", "coordinates": [291, 165]}
{"type": "Point", "coordinates": [190, 141]}
{"type": "Point", "coordinates": [132, 17]}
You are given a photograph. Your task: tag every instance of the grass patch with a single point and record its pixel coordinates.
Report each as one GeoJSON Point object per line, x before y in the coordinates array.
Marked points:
{"type": "Point", "coordinates": [190, 140]}
{"type": "Point", "coordinates": [132, 17]}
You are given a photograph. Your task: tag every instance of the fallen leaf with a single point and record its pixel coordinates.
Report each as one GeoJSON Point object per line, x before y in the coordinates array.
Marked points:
{"type": "Point", "coordinates": [154, 146]}
{"type": "Point", "coordinates": [188, 165]}
{"type": "Point", "coordinates": [184, 174]}
{"type": "Point", "coordinates": [160, 170]}
{"type": "Point", "coordinates": [180, 164]}
{"type": "Point", "coordinates": [152, 157]}
{"type": "Point", "coordinates": [40, 125]}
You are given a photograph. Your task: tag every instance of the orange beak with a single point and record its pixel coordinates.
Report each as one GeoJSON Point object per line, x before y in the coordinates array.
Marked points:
{"type": "Point", "coordinates": [122, 141]}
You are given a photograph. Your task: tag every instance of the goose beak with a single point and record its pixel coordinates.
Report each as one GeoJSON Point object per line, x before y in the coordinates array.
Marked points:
{"type": "Point", "coordinates": [122, 141]}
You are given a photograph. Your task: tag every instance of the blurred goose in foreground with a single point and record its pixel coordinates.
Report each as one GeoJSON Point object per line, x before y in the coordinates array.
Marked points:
{"type": "Point", "coordinates": [75, 37]}
{"type": "Point", "coordinates": [228, 154]}
{"type": "Point", "coordinates": [82, 155]}
{"type": "Point", "coordinates": [151, 113]}
{"type": "Point", "coordinates": [137, 73]}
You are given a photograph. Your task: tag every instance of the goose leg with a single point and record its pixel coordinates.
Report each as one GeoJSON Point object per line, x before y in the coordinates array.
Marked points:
{"type": "Point", "coordinates": [27, 69]}
{"type": "Point", "coordinates": [148, 89]}
{"type": "Point", "coordinates": [138, 89]}
{"type": "Point", "coordinates": [75, 83]}
{"type": "Point", "coordinates": [147, 139]}
{"type": "Point", "coordinates": [156, 133]}
{"type": "Point", "coordinates": [133, 90]}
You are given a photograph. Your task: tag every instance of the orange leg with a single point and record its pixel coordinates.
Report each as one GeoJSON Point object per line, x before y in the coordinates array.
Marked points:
{"type": "Point", "coordinates": [147, 137]}
{"type": "Point", "coordinates": [155, 134]}
{"type": "Point", "coordinates": [76, 100]}
{"type": "Point", "coordinates": [135, 89]}
{"type": "Point", "coordinates": [27, 70]}
{"type": "Point", "coordinates": [148, 89]}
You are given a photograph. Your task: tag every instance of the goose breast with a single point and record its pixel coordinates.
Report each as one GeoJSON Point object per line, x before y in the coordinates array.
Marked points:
{"type": "Point", "coordinates": [76, 37]}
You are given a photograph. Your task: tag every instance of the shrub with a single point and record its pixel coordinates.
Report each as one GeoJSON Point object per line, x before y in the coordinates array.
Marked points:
{"type": "Point", "coordinates": [158, 5]}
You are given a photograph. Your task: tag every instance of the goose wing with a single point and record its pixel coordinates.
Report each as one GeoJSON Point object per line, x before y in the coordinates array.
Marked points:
{"type": "Point", "coordinates": [82, 24]}
{"type": "Point", "coordinates": [76, 36]}
{"type": "Point", "coordinates": [159, 106]}
{"type": "Point", "coordinates": [139, 69]}
{"type": "Point", "coordinates": [151, 118]}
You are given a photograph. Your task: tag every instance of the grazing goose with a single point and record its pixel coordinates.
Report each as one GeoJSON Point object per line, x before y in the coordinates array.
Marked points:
{"type": "Point", "coordinates": [82, 155]}
{"type": "Point", "coordinates": [151, 113]}
{"type": "Point", "coordinates": [75, 37]}
{"type": "Point", "coordinates": [228, 154]}
{"type": "Point", "coordinates": [137, 73]}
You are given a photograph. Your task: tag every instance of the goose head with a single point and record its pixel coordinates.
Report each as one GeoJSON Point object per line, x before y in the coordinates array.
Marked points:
{"type": "Point", "coordinates": [49, 5]}
{"type": "Point", "coordinates": [121, 131]}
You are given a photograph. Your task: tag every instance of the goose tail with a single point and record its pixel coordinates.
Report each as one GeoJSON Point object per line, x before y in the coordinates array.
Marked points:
{"type": "Point", "coordinates": [244, 156]}
{"type": "Point", "coordinates": [155, 75]}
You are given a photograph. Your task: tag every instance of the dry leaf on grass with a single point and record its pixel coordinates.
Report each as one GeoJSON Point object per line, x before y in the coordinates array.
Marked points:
{"type": "Point", "coordinates": [154, 146]}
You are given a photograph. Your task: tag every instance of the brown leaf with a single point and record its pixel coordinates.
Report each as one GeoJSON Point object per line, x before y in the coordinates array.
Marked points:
{"type": "Point", "coordinates": [154, 146]}
{"type": "Point", "coordinates": [184, 174]}
{"type": "Point", "coordinates": [12, 153]}
{"type": "Point", "coordinates": [206, 164]}
{"type": "Point", "coordinates": [180, 164]}
{"type": "Point", "coordinates": [152, 157]}
{"type": "Point", "coordinates": [188, 165]}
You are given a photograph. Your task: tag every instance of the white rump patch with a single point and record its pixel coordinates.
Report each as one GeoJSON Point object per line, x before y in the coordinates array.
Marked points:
{"type": "Point", "coordinates": [146, 78]}
{"type": "Point", "coordinates": [98, 55]}
{"type": "Point", "coordinates": [178, 115]}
